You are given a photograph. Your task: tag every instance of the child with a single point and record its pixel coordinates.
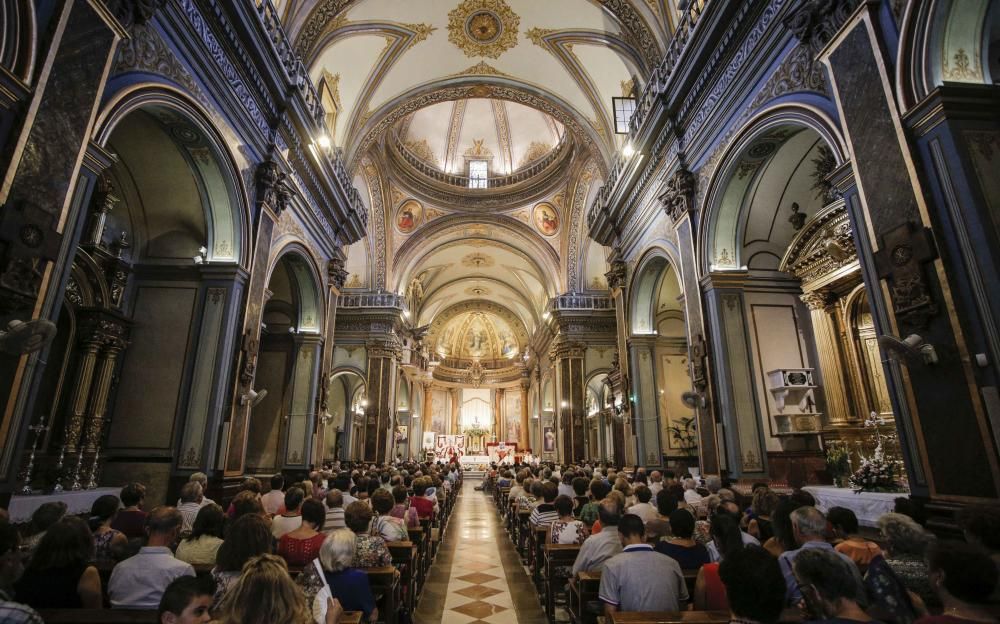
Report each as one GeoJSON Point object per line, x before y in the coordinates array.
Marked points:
{"type": "Point", "coordinates": [187, 600]}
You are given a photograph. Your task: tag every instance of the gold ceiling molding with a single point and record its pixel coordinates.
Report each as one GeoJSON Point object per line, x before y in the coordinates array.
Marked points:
{"type": "Point", "coordinates": [537, 35]}
{"type": "Point", "coordinates": [483, 28]}
{"type": "Point", "coordinates": [536, 150]}
{"type": "Point", "coordinates": [454, 130]}
{"type": "Point", "coordinates": [420, 32]}
{"type": "Point", "coordinates": [482, 68]}
{"type": "Point", "coordinates": [502, 124]}
{"type": "Point", "coordinates": [325, 12]}
{"type": "Point", "coordinates": [423, 151]}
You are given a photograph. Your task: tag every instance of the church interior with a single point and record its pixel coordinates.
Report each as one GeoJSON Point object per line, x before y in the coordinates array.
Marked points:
{"type": "Point", "coordinates": [747, 241]}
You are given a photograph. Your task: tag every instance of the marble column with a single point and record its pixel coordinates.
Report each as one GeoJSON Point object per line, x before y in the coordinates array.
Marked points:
{"type": "Point", "coordinates": [742, 425]}
{"type": "Point", "coordinates": [617, 279]}
{"type": "Point", "coordinates": [500, 418]}
{"type": "Point", "coordinates": [428, 409]}
{"type": "Point", "coordinates": [823, 311]}
{"type": "Point", "coordinates": [525, 442]}
{"type": "Point", "coordinates": [456, 409]}
{"type": "Point", "coordinates": [300, 422]}
{"type": "Point", "coordinates": [570, 399]}
{"type": "Point", "coordinates": [383, 360]}
{"type": "Point", "coordinates": [645, 408]}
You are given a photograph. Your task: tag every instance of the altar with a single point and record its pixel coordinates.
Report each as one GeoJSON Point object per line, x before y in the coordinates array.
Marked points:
{"type": "Point", "coordinates": [78, 502]}
{"type": "Point", "coordinates": [867, 506]}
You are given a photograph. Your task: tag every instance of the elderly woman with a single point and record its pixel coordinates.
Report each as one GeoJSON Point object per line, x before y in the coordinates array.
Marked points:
{"type": "Point", "coordinates": [346, 584]}
{"type": "Point", "coordinates": [894, 578]}
{"type": "Point", "coordinates": [371, 549]}
{"type": "Point", "coordinates": [691, 495]}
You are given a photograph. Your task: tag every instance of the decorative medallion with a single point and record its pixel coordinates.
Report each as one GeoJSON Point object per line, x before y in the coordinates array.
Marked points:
{"type": "Point", "coordinates": [483, 27]}
{"type": "Point", "coordinates": [546, 219]}
{"type": "Point", "coordinates": [478, 291]}
{"type": "Point", "coordinates": [478, 261]}
{"type": "Point", "coordinates": [408, 216]}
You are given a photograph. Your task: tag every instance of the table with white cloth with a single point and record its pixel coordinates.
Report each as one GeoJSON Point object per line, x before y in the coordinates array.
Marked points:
{"type": "Point", "coordinates": [77, 502]}
{"type": "Point", "coordinates": [867, 506]}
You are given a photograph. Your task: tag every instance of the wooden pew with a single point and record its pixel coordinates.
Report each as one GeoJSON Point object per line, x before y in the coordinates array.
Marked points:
{"type": "Point", "coordinates": [129, 616]}
{"type": "Point", "coordinates": [556, 556]}
{"type": "Point", "coordinates": [406, 558]}
{"type": "Point", "coordinates": [669, 617]}
{"type": "Point", "coordinates": [583, 590]}
{"type": "Point", "coordinates": [523, 528]}
{"type": "Point", "coordinates": [417, 536]}
{"type": "Point", "coordinates": [385, 585]}
{"type": "Point", "coordinates": [537, 544]}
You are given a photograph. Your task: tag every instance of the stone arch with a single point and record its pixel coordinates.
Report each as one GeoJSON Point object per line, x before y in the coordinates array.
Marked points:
{"type": "Point", "coordinates": [225, 198]}
{"type": "Point", "coordinates": [724, 206]}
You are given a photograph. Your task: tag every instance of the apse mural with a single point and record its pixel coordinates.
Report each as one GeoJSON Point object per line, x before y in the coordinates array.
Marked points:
{"type": "Point", "coordinates": [476, 335]}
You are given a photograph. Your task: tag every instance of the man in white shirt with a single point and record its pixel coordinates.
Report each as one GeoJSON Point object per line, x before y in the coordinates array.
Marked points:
{"type": "Point", "coordinates": [275, 498]}
{"type": "Point", "coordinates": [600, 547]}
{"type": "Point", "coordinates": [640, 579]}
{"type": "Point", "coordinates": [201, 479]}
{"type": "Point", "coordinates": [139, 581]}
{"type": "Point", "coordinates": [691, 495]}
{"type": "Point", "coordinates": [655, 482]}
{"type": "Point", "coordinates": [643, 508]}
{"type": "Point", "coordinates": [191, 498]}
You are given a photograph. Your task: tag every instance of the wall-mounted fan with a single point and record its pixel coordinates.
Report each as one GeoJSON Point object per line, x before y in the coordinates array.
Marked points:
{"type": "Point", "coordinates": [909, 350]}
{"type": "Point", "coordinates": [20, 337]}
{"type": "Point", "coordinates": [253, 397]}
{"type": "Point", "coordinates": [694, 400]}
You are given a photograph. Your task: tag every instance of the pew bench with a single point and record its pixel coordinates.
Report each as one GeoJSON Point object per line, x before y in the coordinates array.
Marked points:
{"type": "Point", "coordinates": [129, 616]}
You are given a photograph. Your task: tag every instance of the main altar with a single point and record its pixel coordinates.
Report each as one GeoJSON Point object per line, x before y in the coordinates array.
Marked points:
{"type": "Point", "coordinates": [867, 506]}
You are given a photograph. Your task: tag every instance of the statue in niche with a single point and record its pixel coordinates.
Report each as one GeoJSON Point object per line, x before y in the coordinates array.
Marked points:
{"type": "Point", "coordinates": [797, 219]}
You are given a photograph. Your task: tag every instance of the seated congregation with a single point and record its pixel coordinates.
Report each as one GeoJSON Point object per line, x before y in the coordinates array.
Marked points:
{"type": "Point", "coordinates": [632, 547]}
{"type": "Point", "coordinates": [344, 545]}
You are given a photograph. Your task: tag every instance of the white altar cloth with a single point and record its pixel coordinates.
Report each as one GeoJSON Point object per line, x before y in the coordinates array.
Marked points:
{"type": "Point", "coordinates": [78, 502]}
{"type": "Point", "coordinates": [867, 506]}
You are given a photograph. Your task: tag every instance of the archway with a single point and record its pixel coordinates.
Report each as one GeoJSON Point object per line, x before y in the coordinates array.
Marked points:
{"type": "Point", "coordinates": [664, 426]}
{"type": "Point", "coordinates": [288, 362]}
{"type": "Point", "coordinates": [146, 328]}
{"type": "Point", "coordinates": [345, 415]}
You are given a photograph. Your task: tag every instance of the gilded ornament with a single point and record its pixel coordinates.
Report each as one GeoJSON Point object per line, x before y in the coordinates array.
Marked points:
{"type": "Point", "coordinates": [483, 27]}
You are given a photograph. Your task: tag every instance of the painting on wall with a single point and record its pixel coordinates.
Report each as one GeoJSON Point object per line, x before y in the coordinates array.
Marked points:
{"type": "Point", "coordinates": [408, 216]}
{"type": "Point", "coordinates": [513, 411]}
{"type": "Point", "coordinates": [546, 219]}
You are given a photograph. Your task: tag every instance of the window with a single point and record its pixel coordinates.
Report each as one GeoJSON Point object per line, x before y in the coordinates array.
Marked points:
{"type": "Point", "coordinates": [479, 172]}
{"type": "Point", "coordinates": [623, 107]}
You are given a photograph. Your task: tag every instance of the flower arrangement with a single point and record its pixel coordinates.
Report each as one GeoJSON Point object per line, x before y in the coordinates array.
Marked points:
{"type": "Point", "coordinates": [838, 463]}
{"type": "Point", "coordinates": [880, 472]}
{"type": "Point", "coordinates": [475, 431]}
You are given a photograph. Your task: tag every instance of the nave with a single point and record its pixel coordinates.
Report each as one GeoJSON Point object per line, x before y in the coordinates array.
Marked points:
{"type": "Point", "coordinates": [477, 576]}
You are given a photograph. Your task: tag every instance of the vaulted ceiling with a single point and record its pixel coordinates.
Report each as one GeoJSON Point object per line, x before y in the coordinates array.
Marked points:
{"type": "Point", "coordinates": [413, 88]}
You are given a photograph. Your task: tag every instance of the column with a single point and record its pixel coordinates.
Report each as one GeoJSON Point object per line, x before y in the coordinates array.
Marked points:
{"type": "Point", "coordinates": [456, 408]}
{"type": "Point", "coordinates": [570, 399]}
{"type": "Point", "coordinates": [617, 279]}
{"type": "Point", "coordinates": [742, 426]}
{"type": "Point", "coordinates": [525, 442]}
{"type": "Point", "coordinates": [383, 359]}
{"type": "Point", "coordinates": [823, 310]}
{"type": "Point", "coordinates": [427, 414]}
{"type": "Point", "coordinates": [91, 343]}
{"type": "Point", "coordinates": [500, 416]}
{"type": "Point", "coordinates": [911, 247]}
{"type": "Point", "coordinates": [645, 408]}
{"type": "Point", "coordinates": [113, 342]}
{"type": "Point", "coordinates": [300, 423]}
{"type": "Point", "coordinates": [336, 276]}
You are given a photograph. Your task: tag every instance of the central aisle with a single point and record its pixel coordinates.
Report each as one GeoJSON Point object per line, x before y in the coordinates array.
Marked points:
{"type": "Point", "coordinates": [477, 576]}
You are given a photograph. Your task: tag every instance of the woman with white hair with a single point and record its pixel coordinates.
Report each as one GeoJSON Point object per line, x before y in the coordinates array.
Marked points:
{"type": "Point", "coordinates": [340, 581]}
{"type": "Point", "coordinates": [691, 495]}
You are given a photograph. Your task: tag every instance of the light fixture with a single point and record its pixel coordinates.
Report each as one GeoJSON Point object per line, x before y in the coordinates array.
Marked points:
{"type": "Point", "coordinates": [202, 256]}
{"type": "Point", "coordinates": [291, 330]}
{"type": "Point", "coordinates": [406, 314]}
{"type": "Point", "coordinates": [323, 140]}
{"type": "Point", "coordinates": [628, 151]}
{"type": "Point", "coordinates": [564, 404]}
{"type": "Point", "coordinates": [545, 315]}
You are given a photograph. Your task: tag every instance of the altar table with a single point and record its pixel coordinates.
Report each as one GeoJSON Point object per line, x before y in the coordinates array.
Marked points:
{"type": "Point", "coordinates": [867, 506]}
{"type": "Point", "coordinates": [77, 502]}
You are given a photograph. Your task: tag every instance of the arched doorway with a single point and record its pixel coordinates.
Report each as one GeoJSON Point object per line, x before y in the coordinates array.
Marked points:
{"type": "Point", "coordinates": [281, 425]}
{"type": "Point", "coordinates": [663, 425]}
{"type": "Point", "coordinates": [137, 382]}
{"type": "Point", "coordinates": [345, 418]}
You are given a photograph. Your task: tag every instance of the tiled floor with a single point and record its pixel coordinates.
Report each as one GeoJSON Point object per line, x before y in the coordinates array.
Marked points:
{"type": "Point", "coordinates": [477, 576]}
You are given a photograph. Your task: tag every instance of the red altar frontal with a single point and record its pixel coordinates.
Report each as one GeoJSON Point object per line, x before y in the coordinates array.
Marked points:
{"type": "Point", "coordinates": [503, 452]}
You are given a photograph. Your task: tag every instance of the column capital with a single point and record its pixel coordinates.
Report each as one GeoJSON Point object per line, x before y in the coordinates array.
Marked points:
{"type": "Point", "coordinates": [677, 198]}
{"type": "Point", "coordinates": [818, 299]}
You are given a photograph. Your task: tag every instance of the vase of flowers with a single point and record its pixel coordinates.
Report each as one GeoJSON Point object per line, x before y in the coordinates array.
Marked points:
{"type": "Point", "coordinates": [879, 472]}
{"type": "Point", "coordinates": [838, 463]}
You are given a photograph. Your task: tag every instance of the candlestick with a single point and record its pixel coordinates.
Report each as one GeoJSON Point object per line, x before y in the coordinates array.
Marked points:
{"type": "Point", "coordinates": [59, 466]}
{"type": "Point", "coordinates": [29, 471]}
{"type": "Point", "coordinates": [92, 481]}
{"type": "Point", "coordinates": [76, 471]}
